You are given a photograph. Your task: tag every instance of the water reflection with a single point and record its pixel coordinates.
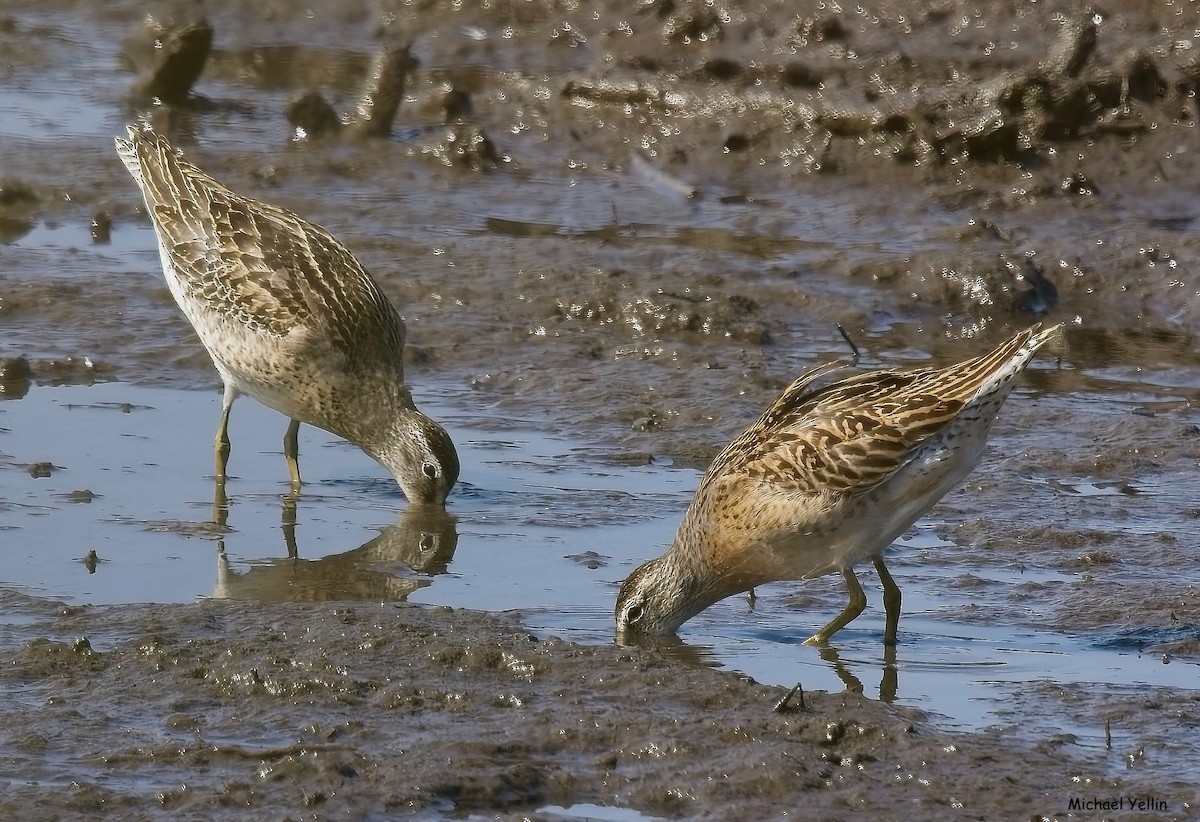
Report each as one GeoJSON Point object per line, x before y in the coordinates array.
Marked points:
{"type": "Point", "coordinates": [403, 558]}
{"type": "Point", "coordinates": [889, 682]}
{"type": "Point", "coordinates": [706, 655]}
{"type": "Point", "coordinates": [671, 646]}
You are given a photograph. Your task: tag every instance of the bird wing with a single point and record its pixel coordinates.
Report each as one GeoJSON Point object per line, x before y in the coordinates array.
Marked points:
{"type": "Point", "coordinates": [852, 434]}
{"type": "Point", "coordinates": [846, 437]}
{"type": "Point", "coordinates": [262, 265]}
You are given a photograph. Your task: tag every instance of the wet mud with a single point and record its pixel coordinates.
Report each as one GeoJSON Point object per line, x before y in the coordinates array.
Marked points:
{"type": "Point", "coordinates": [639, 222]}
{"type": "Point", "coordinates": [363, 711]}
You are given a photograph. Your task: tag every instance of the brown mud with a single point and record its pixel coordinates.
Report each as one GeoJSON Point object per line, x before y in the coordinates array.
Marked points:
{"type": "Point", "coordinates": [368, 711]}
{"type": "Point", "coordinates": [641, 220]}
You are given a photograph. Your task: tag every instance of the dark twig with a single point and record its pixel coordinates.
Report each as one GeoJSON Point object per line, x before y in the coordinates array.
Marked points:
{"type": "Point", "coordinates": [846, 336]}
{"type": "Point", "coordinates": [781, 707]}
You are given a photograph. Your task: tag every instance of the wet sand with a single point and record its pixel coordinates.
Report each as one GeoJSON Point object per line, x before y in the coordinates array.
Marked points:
{"type": "Point", "coordinates": [636, 225]}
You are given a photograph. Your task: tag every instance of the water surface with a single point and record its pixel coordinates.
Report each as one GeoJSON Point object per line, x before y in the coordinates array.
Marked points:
{"type": "Point", "coordinates": [676, 218]}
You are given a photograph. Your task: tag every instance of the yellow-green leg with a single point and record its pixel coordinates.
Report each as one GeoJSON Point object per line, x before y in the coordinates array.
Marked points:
{"type": "Point", "coordinates": [220, 504]}
{"type": "Point", "coordinates": [221, 442]}
{"type": "Point", "coordinates": [858, 601]}
{"type": "Point", "coordinates": [291, 451]}
{"type": "Point", "coordinates": [891, 602]}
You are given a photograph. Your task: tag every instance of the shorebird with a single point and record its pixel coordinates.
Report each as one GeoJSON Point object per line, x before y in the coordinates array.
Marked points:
{"type": "Point", "coordinates": [826, 479]}
{"type": "Point", "coordinates": [290, 318]}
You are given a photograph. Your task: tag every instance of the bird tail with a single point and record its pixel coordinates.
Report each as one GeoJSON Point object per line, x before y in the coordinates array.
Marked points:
{"type": "Point", "coordinates": [994, 370]}
{"type": "Point", "coordinates": [127, 151]}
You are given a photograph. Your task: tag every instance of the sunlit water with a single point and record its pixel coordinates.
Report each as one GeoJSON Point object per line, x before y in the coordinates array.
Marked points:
{"type": "Point", "coordinates": [546, 527]}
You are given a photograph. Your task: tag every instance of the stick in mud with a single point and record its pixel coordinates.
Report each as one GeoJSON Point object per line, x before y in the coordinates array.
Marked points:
{"type": "Point", "coordinates": [846, 336]}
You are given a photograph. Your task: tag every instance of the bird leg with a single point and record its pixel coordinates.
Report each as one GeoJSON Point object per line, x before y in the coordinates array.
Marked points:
{"type": "Point", "coordinates": [220, 504]}
{"type": "Point", "coordinates": [221, 442]}
{"type": "Point", "coordinates": [891, 602]}
{"type": "Point", "coordinates": [858, 601]}
{"type": "Point", "coordinates": [291, 452]}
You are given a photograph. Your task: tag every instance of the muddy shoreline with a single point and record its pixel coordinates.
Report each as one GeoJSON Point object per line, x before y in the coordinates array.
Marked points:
{"type": "Point", "coordinates": [636, 225]}
{"type": "Point", "coordinates": [358, 711]}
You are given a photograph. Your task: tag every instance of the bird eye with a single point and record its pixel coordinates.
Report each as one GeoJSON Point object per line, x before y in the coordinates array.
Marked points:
{"type": "Point", "coordinates": [430, 470]}
{"type": "Point", "coordinates": [634, 613]}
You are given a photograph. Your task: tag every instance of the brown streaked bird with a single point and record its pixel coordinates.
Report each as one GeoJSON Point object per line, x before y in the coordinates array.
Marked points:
{"type": "Point", "coordinates": [290, 318]}
{"type": "Point", "coordinates": [825, 480]}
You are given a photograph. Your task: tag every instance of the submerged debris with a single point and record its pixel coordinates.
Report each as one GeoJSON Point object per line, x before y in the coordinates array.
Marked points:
{"type": "Point", "coordinates": [16, 377]}
{"type": "Point", "coordinates": [177, 58]}
{"type": "Point", "coordinates": [91, 560]}
{"type": "Point", "coordinates": [1040, 294]}
{"type": "Point", "coordinates": [41, 470]}
{"type": "Point", "coordinates": [383, 91]}
{"type": "Point", "coordinates": [312, 117]}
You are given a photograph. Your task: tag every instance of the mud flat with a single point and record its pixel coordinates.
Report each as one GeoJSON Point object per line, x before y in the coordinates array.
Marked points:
{"type": "Point", "coordinates": [632, 226]}
{"type": "Point", "coordinates": [360, 711]}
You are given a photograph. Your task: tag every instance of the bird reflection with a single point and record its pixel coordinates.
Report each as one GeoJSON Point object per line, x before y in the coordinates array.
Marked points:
{"type": "Point", "coordinates": [888, 683]}
{"type": "Point", "coordinates": [672, 647]}
{"type": "Point", "coordinates": [421, 541]}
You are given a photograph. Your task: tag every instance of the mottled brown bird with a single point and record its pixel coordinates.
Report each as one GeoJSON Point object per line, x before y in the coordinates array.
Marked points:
{"type": "Point", "coordinates": [826, 479]}
{"type": "Point", "coordinates": [290, 318]}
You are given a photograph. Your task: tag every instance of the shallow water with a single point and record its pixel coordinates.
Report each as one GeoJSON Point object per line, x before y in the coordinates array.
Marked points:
{"type": "Point", "coordinates": [542, 526]}
{"type": "Point", "coordinates": [597, 314]}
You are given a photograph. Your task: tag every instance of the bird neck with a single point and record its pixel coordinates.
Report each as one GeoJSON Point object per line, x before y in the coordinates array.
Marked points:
{"type": "Point", "coordinates": [705, 558]}
{"type": "Point", "coordinates": [383, 416]}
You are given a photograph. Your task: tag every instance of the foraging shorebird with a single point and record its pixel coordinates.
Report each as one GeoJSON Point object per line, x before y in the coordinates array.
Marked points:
{"type": "Point", "coordinates": [826, 479]}
{"type": "Point", "coordinates": [289, 317]}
